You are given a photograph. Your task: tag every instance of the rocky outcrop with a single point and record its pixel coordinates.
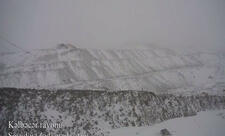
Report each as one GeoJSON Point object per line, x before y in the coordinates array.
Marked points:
{"type": "Point", "coordinates": [165, 132]}
{"type": "Point", "coordinates": [93, 112]}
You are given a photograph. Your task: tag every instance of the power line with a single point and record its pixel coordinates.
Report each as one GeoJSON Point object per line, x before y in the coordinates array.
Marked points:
{"type": "Point", "coordinates": [13, 44]}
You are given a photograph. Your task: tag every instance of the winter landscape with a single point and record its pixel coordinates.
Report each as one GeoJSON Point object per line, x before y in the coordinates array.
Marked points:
{"type": "Point", "coordinates": [113, 92]}
{"type": "Point", "coordinates": [112, 68]}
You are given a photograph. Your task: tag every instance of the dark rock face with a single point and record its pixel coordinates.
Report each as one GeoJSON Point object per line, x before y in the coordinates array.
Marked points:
{"type": "Point", "coordinates": [92, 112]}
{"type": "Point", "coordinates": [165, 132]}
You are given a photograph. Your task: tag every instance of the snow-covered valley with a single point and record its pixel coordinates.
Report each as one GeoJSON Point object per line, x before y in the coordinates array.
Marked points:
{"type": "Point", "coordinates": [113, 92]}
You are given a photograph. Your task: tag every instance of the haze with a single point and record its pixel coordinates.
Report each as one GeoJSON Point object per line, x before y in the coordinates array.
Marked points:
{"type": "Point", "coordinates": [183, 25]}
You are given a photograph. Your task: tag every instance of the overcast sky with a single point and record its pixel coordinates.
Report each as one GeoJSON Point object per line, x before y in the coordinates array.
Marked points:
{"type": "Point", "coordinates": [177, 24]}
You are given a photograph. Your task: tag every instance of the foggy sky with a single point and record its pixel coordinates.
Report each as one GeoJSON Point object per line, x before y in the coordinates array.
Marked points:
{"type": "Point", "coordinates": [177, 24]}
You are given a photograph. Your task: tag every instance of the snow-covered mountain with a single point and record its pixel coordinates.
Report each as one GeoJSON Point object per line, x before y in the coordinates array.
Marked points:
{"type": "Point", "coordinates": [155, 69]}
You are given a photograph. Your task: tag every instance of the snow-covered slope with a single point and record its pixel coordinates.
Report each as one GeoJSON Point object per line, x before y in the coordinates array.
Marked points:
{"type": "Point", "coordinates": [96, 113]}
{"type": "Point", "coordinates": [155, 69]}
{"type": "Point", "coordinates": [207, 123]}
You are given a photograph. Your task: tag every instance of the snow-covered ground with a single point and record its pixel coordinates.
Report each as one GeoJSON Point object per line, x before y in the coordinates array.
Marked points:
{"type": "Point", "coordinates": [207, 123]}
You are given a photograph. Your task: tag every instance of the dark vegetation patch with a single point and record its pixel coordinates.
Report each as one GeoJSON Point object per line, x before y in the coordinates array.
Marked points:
{"type": "Point", "coordinates": [88, 109]}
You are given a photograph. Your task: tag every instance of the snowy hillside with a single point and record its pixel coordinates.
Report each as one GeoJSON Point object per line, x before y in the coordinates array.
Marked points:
{"type": "Point", "coordinates": [210, 123]}
{"type": "Point", "coordinates": [155, 69]}
{"type": "Point", "coordinates": [98, 113]}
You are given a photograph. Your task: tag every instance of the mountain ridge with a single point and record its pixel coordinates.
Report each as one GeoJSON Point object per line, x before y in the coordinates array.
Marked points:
{"type": "Point", "coordinates": [155, 69]}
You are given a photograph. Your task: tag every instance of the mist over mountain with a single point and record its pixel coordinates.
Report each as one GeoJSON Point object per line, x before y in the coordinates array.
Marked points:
{"type": "Point", "coordinates": [175, 24]}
